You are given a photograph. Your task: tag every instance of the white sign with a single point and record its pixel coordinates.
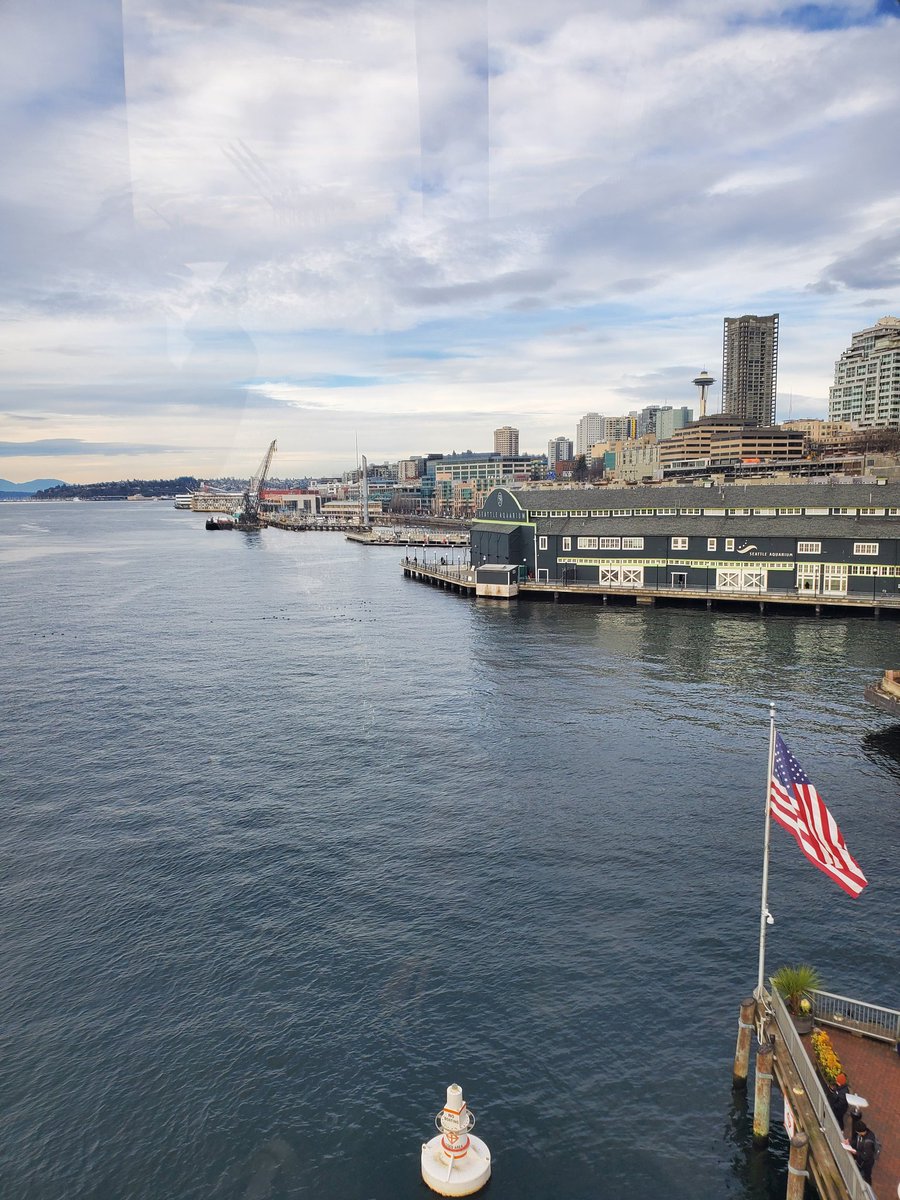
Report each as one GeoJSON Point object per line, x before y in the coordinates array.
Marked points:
{"type": "Point", "coordinates": [789, 1122]}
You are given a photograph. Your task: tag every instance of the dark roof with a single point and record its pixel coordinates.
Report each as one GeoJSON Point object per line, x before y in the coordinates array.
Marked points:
{"type": "Point", "coordinates": [729, 495]}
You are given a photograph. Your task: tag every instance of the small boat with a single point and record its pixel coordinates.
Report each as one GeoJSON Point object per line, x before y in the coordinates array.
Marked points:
{"type": "Point", "coordinates": [219, 523]}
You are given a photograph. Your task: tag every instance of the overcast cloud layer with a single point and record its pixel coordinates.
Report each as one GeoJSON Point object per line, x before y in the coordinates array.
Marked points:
{"type": "Point", "coordinates": [408, 223]}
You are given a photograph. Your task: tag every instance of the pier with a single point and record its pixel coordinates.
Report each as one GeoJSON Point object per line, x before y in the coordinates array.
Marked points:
{"type": "Point", "coordinates": [564, 591]}
{"type": "Point", "coordinates": [452, 577]}
{"type": "Point", "coordinates": [865, 1037]}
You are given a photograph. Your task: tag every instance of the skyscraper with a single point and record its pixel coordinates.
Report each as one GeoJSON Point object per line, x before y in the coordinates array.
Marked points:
{"type": "Point", "coordinates": [590, 429]}
{"type": "Point", "coordinates": [867, 378]}
{"type": "Point", "coordinates": [750, 367]}
{"type": "Point", "coordinates": [506, 441]}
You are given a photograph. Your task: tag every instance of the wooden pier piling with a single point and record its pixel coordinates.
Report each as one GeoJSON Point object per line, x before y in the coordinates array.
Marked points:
{"type": "Point", "coordinates": [742, 1050]}
{"type": "Point", "coordinates": [797, 1172]}
{"type": "Point", "coordinates": [762, 1102]}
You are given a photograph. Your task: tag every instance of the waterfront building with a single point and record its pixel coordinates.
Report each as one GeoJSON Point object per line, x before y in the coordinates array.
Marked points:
{"type": "Point", "coordinates": [826, 539]}
{"type": "Point", "coordinates": [866, 386]}
{"type": "Point", "coordinates": [634, 461]}
{"type": "Point", "coordinates": [559, 450]}
{"type": "Point", "coordinates": [750, 367]}
{"type": "Point", "coordinates": [290, 500]}
{"type": "Point", "coordinates": [506, 441]}
{"type": "Point", "coordinates": [591, 428]}
{"type": "Point", "coordinates": [721, 439]}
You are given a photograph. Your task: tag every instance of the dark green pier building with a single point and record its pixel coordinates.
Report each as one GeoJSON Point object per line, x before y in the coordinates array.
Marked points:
{"type": "Point", "coordinates": [816, 539]}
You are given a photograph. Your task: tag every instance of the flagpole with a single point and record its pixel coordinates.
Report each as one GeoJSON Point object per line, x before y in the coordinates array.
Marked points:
{"type": "Point", "coordinates": [764, 907]}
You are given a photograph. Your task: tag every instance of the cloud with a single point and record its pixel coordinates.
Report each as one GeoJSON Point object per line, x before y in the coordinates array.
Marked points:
{"type": "Point", "coordinates": [66, 447]}
{"type": "Point", "coordinates": [873, 264]}
{"type": "Point", "coordinates": [419, 207]}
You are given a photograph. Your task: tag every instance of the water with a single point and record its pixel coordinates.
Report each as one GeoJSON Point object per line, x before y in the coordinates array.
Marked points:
{"type": "Point", "coordinates": [291, 843]}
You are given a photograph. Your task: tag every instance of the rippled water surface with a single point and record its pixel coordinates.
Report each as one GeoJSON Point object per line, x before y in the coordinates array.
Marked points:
{"type": "Point", "coordinates": [290, 843]}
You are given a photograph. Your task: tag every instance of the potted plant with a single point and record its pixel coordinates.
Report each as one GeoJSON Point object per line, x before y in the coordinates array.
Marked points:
{"type": "Point", "coordinates": [794, 985]}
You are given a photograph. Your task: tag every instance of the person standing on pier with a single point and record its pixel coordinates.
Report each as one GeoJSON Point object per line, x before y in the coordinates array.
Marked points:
{"type": "Point", "coordinates": [863, 1145]}
{"type": "Point", "coordinates": [837, 1098]}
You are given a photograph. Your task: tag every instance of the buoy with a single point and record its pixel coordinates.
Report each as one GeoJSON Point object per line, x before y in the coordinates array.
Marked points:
{"type": "Point", "coordinates": [454, 1163]}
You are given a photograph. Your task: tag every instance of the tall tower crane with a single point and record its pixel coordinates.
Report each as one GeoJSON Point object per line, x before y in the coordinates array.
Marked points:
{"type": "Point", "coordinates": [249, 515]}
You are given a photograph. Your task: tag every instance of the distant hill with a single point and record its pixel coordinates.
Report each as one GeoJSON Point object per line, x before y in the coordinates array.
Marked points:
{"type": "Point", "coordinates": [120, 489]}
{"type": "Point", "coordinates": [29, 488]}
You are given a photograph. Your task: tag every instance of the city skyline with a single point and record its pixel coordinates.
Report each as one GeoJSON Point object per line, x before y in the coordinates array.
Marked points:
{"type": "Point", "coordinates": [350, 228]}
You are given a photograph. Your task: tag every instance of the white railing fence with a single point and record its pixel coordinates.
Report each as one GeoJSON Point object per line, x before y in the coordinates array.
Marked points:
{"type": "Point", "coordinates": [869, 1019]}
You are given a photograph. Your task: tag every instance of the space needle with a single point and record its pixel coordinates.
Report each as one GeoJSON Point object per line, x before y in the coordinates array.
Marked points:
{"type": "Point", "coordinates": [703, 382]}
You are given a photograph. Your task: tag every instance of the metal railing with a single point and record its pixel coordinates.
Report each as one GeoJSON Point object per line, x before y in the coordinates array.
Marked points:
{"type": "Point", "coordinates": [454, 571]}
{"type": "Point", "coordinates": [870, 1019]}
{"type": "Point", "coordinates": [857, 1188]}
{"type": "Point", "coordinates": [881, 598]}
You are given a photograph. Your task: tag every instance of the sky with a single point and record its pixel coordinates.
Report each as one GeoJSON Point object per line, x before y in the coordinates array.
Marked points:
{"type": "Point", "coordinates": [390, 227]}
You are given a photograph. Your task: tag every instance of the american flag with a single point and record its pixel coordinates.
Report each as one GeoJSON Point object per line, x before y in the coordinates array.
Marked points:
{"type": "Point", "coordinates": [796, 805]}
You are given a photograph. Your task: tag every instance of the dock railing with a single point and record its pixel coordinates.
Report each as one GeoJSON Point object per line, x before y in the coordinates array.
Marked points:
{"type": "Point", "coordinates": [869, 1019]}
{"type": "Point", "coordinates": [857, 1188]}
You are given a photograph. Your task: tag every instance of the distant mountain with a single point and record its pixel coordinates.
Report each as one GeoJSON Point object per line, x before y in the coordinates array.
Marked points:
{"type": "Point", "coordinates": [29, 488]}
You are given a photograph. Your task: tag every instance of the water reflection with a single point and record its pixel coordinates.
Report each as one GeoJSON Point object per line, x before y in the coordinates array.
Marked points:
{"type": "Point", "coordinates": [883, 745]}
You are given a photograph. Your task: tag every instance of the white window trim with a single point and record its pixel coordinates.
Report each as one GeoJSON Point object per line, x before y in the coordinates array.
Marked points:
{"type": "Point", "coordinates": [567, 543]}
{"type": "Point", "coordinates": [542, 542]}
{"type": "Point", "coordinates": [809, 547]}
{"type": "Point", "coordinates": [712, 544]}
{"type": "Point", "coordinates": [632, 543]}
{"type": "Point", "coordinates": [679, 543]}
{"type": "Point", "coordinates": [869, 548]}
{"type": "Point", "coordinates": [587, 543]}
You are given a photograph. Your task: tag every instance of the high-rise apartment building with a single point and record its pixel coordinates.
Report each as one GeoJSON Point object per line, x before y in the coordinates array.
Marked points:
{"type": "Point", "coordinates": [867, 378]}
{"type": "Point", "coordinates": [750, 367]}
{"type": "Point", "coordinates": [590, 429]}
{"type": "Point", "coordinates": [620, 429]}
{"type": "Point", "coordinates": [669, 419]}
{"type": "Point", "coordinates": [506, 440]}
{"type": "Point", "coordinates": [559, 450]}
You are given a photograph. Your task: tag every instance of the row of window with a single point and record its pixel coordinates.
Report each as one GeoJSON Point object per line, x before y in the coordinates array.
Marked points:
{"type": "Point", "coordinates": [681, 543]}
{"type": "Point", "coordinates": [716, 512]}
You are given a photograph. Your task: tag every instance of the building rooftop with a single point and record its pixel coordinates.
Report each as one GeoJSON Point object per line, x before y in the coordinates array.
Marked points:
{"type": "Point", "coordinates": [729, 495]}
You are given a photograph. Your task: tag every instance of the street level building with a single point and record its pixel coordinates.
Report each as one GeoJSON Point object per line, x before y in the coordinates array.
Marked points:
{"type": "Point", "coordinates": [819, 539]}
{"type": "Point", "coordinates": [506, 441]}
{"type": "Point", "coordinates": [750, 368]}
{"type": "Point", "coordinates": [866, 386]}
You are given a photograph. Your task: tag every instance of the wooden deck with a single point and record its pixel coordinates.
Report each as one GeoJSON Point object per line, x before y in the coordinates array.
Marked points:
{"type": "Point", "coordinates": [872, 1068]}
{"type": "Point", "coordinates": [873, 1071]}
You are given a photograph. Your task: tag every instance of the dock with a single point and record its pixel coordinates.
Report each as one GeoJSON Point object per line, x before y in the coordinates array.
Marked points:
{"type": "Point", "coordinates": [885, 694]}
{"type": "Point", "coordinates": [564, 591]}
{"type": "Point", "coordinates": [455, 578]}
{"type": "Point", "coordinates": [379, 537]}
{"type": "Point", "coordinates": [865, 1037]}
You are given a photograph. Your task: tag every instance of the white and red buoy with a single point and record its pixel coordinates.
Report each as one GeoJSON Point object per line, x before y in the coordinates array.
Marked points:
{"type": "Point", "coordinates": [455, 1163]}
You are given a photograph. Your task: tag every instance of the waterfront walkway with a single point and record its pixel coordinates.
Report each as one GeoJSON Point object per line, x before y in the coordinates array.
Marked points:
{"type": "Point", "coordinates": [873, 1070]}
{"type": "Point", "coordinates": [864, 1037]}
{"type": "Point", "coordinates": [461, 578]}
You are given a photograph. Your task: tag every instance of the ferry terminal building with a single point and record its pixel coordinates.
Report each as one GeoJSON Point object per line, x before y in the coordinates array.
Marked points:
{"type": "Point", "coordinates": [828, 539]}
